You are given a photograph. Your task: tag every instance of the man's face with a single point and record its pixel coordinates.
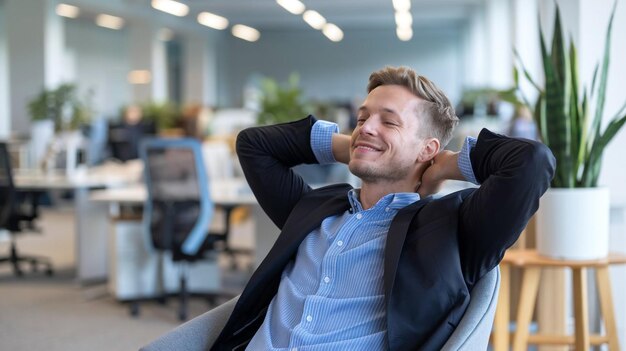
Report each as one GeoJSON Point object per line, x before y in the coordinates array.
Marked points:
{"type": "Point", "coordinates": [385, 143]}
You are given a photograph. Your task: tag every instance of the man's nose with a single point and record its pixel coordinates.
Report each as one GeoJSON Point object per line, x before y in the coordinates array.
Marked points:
{"type": "Point", "coordinates": [368, 127]}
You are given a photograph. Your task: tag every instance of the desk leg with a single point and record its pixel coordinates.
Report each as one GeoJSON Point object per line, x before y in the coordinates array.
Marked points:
{"type": "Point", "coordinates": [606, 304]}
{"type": "Point", "coordinates": [92, 228]}
{"type": "Point", "coordinates": [581, 309]}
{"type": "Point", "coordinates": [503, 315]}
{"type": "Point", "coordinates": [528, 295]}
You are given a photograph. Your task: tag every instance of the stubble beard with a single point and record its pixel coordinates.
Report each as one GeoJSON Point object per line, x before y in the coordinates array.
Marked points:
{"type": "Point", "coordinates": [379, 173]}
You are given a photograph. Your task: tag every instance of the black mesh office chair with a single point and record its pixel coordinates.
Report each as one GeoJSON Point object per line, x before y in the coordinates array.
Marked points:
{"type": "Point", "coordinates": [124, 139]}
{"type": "Point", "coordinates": [178, 210]}
{"type": "Point", "coordinates": [17, 213]}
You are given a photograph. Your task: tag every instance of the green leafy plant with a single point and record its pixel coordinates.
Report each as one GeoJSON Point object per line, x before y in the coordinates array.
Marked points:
{"type": "Point", "coordinates": [62, 106]}
{"type": "Point", "coordinates": [562, 111]}
{"type": "Point", "coordinates": [281, 102]}
{"type": "Point", "coordinates": [164, 114]}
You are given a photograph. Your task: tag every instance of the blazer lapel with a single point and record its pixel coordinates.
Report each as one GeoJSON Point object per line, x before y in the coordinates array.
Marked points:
{"type": "Point", "coordinates": [395, 241]}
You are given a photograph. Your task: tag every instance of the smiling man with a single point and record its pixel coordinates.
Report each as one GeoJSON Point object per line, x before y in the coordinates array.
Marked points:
{"type": "Point", "coordinates": [385, 266]}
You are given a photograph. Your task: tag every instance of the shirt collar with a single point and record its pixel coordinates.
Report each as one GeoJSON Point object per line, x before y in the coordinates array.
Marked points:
{"type": "Point", "coordinates": [394, 201]}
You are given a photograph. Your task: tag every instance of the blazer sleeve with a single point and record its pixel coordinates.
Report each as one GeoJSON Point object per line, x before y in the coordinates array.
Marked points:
{"type": "Point", "coordinates": [514, 174]}
{"type": "Point", "coordinates": [267, 154]}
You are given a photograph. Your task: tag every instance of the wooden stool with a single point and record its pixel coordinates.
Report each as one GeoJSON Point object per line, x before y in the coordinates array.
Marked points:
{"type": "Point", "coordinates": [531, 264]}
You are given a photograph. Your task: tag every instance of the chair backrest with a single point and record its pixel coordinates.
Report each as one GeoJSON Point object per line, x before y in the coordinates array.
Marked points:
{"type": "Point", "coordinates": [474, 329]}
{"type": "Point", "coordinates": [178, 208]}
{"type": "Point", "coordinates": [7, 189]}
{"type": "Point", "coordinates": [472, 333]}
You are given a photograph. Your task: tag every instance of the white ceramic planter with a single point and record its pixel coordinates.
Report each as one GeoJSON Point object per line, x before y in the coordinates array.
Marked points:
{"type": "Point", "coordinates": [41, 135]}
{"type": "Point", "coordinates": [573, 223]}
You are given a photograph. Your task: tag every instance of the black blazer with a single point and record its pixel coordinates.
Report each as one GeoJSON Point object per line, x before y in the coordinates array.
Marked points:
{"type": "Point", "coordinates": [436, 249]}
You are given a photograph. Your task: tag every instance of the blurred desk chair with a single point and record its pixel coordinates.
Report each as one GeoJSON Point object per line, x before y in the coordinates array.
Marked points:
{"type": "Point", "coordinates": [18, 211]}
{"type": "Point", "coordinates": [178, 210]}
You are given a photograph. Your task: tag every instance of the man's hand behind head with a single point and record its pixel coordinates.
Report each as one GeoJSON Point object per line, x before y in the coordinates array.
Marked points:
{"type": "Point", "coordinates": [443, 166]}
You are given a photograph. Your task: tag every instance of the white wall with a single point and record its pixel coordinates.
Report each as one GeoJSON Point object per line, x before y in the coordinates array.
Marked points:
{"type": "Point", "coordinates": [102, 63]}
{"type": "Point", "coordinates": [338, 71]}
{"type": "Point", "coordinates": [5, 121]}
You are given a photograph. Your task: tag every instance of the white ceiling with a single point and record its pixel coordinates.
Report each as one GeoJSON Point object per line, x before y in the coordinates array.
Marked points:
{"type": "Point", "coordinates": [267, 14]}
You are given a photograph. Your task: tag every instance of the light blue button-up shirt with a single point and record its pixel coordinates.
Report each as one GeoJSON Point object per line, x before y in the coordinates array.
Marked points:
{"type": "Point", "coordinates": [331, 295]}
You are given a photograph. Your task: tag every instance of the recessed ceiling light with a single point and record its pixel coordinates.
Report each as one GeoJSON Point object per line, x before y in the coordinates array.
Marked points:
{"type": "Point", "coordinates": [139, 77]}
{"type": "Point", "coordinates": [212, 20]}
{"type": "Point", "coordinates": [314, 19]}
{"type": "Point", "coordinates": [402, 5]}
{"type": "Point", "coordinates": [68, 11]}
{"type": "Point", "coordinates": [172, 7]}
{"type": "Point", "coordinates": [108, 21]}
{"type": "Point", "coordinates": [404, 33]}
{"type": "Point", "coordinates": [245, 32]}
{"type": "Point", "coordinates": [332, 32]}
{"type": "Point", "coordinates": [404, 19]}
{"type": "Point", "coordinates": [294, 6]}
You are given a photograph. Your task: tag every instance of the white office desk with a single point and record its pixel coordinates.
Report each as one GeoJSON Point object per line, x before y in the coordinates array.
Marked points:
{"type": "Point", "coordinates": [133, 268]}
{"type": "Point", "coordinates": [91, 221]}
{"type": "Point", "coordinates": [223, 192]}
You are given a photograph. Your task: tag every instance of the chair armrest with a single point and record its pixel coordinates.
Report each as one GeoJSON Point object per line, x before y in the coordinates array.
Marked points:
{"type": "Point", "coordinates": [198, 334]}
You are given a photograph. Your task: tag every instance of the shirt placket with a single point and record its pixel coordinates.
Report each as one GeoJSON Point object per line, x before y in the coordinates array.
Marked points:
{"type": "Point", "coordinates": [311, 309]}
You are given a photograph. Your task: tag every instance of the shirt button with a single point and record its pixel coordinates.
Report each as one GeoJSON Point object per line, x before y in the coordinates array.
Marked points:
{"type": "Point", "coordinates": [309, 318]}
{"type": "Point", "coordinates": [387, 209]}
{"type": "Point", "coordinates": [339, 243]}
{"type": "Point", "coordinates": [359, 216]}
{"type": "Point", "coordinates": [327, 280]}
{"type": "Point", "coordinates": [294, 349]}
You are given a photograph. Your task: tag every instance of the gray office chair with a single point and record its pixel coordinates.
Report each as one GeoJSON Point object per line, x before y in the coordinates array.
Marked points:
{"type": "Point", "coordinates": [18, 210]}
{"type": "Point", "coordinates": [177, 211]}
{"type": "Point", "coordinates": [472, 333]}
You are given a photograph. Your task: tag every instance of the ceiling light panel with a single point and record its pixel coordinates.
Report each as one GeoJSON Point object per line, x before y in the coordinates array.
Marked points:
{"type": "Point", "coordinates": [401, 5]}
{"type": "Point", "coordinates": [332, 32]}
{"type": "Point", "coordinates": [172, 7]}
{"type": "Point", "coordinates": [404, 34]}
{"type": "Point", "coordinates": [245, 32]}
{"type": "Point", "coordinates": [404, 19]}
{"type": "Point", "coordinates": [68, 11]}
{"type": "Point", "coordinates": [294, 6]}
{"type": "Point", "coordinates": [139, 77]}
{"type": "Point", "coordinates": [314, 19]}
{"type": "Point", "coordinates": [108, 21]}
{"type": "Point", "coordinates": [212, 20]}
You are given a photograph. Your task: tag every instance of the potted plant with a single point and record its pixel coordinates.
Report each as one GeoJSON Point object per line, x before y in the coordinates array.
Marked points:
{"type": "Point", "coordinates": [573, 217]}
{"type": "Point", "coordinates": [281, 102]}
{"type": "Point", "coordinates": [57, 111]}
{"type": "Point", "coordinates": [61, 106]}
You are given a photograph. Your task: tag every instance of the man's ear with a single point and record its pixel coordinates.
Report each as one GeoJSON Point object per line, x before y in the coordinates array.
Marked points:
{"type": "Point", "coordinates": [430, 148]}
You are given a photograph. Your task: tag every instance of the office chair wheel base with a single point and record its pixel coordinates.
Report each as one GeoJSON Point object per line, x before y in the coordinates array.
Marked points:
{"type": "Point", "coordinates": [162, 300]}
{"type": "Point", "coordinates": [49, 272]}
{"type": "Point", "coordinates": [182, 316]}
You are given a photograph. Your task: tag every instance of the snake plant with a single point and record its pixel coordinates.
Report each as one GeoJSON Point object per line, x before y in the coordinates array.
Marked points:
{"type": "Point", "coordinates": [562, 111]}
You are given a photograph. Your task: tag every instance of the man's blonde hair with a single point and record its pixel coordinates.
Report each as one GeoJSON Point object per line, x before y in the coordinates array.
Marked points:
{"type": "Point", "coordinates": [436, 110]}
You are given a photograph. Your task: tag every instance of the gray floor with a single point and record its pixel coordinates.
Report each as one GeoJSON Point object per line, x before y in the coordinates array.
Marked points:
{"type": "Point", "coordinates": [56, 313]}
